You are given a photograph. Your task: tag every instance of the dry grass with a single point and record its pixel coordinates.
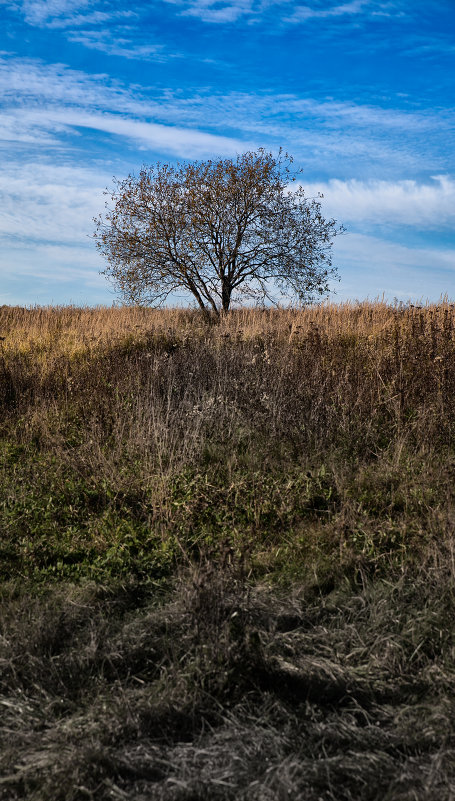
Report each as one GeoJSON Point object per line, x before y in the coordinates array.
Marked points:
{"type": "Point", "coordinates": [68, 329]}
{"type": "Point", "coordinates": [297, 374]}
{"type": "Point", "coordinates": [282, 430]}
{"type": "Point", "coordinates": [227, 554]}
{"type": "Point", "coordinates": [348, 696]}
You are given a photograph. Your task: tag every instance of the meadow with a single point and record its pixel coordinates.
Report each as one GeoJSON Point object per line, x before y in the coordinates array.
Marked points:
{"type": "Point", "coordinates": [227, 562]}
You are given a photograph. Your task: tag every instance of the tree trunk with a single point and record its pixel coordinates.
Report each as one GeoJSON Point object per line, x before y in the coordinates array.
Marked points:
{"type": "Point", "coordinates": [226, 296]}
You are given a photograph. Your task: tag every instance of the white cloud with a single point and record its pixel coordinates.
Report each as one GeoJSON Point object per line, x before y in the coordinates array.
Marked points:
{"type": "Point", "coordinates": [40, 103]}
{"type": "Point", "coordinates": [57, 263]}
{"type": "Point", "coordinates": [28, 82]}
{"type": "Point", "coordinates": [115, 43]}
{"type": "Point", "coordinates": [304, 13]}
{"type": "Point", "coordinates": [96, 25]}
{"type": "Point", "coordinates": [181, 142]}
{"type": "Point", "coordinates": [49, 204]}
{"type": "Point", "coordinates": [51, 274]}
{"type": "Point", "coordinates": [371, 266]}
{"type": "Point", "coordinates": [373, 253]}
{"type": "Point", "coordinates": [46, 253]}
{"type": "Point", "coordinates": [214, 11]}
{"type": "Point", "coordinates": [49, 13]}
{"type": "Point", "coordinates": [45, 104]}
{"type": "Point", "coordinates": [230, 11]}
{"type": "Point", "coordinates": [429, 205]}
{"type": "Point", "coordinates": [168, 139]}
{"type": "Point", "coordinates": [64, 13]}
{"type": "Point", "coordinates": [243, 108]}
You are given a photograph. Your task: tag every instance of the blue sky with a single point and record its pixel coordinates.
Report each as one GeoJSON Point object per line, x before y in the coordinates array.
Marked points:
{"type": "Point", "coordinates": [360, 92]}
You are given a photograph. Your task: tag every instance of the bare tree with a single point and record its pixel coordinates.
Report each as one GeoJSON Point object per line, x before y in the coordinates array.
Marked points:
{"type": "Point", "coordinates": [217, 229]}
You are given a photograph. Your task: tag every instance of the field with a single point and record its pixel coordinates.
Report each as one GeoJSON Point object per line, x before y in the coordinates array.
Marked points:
{"type": "Point", "coordinates": [227, 554]}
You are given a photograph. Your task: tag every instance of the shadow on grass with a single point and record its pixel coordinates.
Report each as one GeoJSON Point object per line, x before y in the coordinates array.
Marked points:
{"type": "Point", "coordinates": [211, 689]}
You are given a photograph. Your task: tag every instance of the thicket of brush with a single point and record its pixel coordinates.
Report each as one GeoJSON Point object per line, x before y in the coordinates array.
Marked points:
{"type": "Point", "coordinates": [227, 553]}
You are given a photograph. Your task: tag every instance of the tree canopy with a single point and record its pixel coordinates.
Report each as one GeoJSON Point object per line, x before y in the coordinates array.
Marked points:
{"type": "Point", "coordinates": [218, 229]}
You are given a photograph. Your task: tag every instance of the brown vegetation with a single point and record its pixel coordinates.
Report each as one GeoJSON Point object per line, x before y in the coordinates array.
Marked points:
{"type": "Point", "coordinates": [227, 553]}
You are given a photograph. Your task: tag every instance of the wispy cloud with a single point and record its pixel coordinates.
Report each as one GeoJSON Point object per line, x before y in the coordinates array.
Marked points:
{"type": "Point", "coordinates": [429, 46]}
{"type": "Point", "coordinates": [53, 13]}
{"type": "Point", "coordinates": [45, 230]}
{"type": "Point", "coordinates": [118, 42]}
{"type": "Point", "coordinates": [42, 203]}
{"type": "Point", "coordinates": [279, 108]}
{"type": "Point", "coordinates": [218, 11]}
{"type": "Point", "coordinates": [429, 205]}
{"type": "Point", "coordinates": [27, 82]}
{"type": "Point", "coordinates": [304, 13]}
{"type": "Point", "coordinates": [170, 139]}
{"type": "Point", "coordinates": [108, 28]}
{"type": "Point", "coordinates": [214, 11]}
{"type": "Point", "coordinates": [394, 270]}
{"type": "Point", "coordinates": [50, 274]}
{"type": "Point", "coordinates": [42, 103]}
{"type": "Point", "coordinates": [284, 11]}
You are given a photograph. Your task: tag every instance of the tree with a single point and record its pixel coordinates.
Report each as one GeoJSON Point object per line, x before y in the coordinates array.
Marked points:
{"type": "Point", "coordinates": [217, 229]}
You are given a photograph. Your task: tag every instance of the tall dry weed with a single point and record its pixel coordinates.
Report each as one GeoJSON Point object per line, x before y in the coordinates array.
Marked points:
{"type": "Point", "coordinates": [203, 427]}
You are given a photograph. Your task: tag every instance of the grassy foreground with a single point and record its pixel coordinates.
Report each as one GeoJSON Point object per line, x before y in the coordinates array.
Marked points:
{"type": "Point", "coordinates": [227, 554]}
